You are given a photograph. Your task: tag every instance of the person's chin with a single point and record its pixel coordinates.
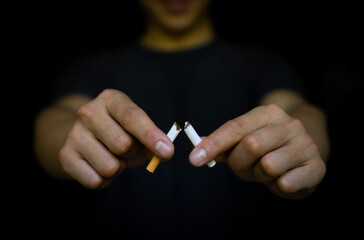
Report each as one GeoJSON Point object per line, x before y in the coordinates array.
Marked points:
{"type": "Point", "coordinates": [178, 26]}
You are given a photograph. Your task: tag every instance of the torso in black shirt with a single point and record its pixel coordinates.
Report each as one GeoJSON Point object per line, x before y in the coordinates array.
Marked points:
{"type": "Point", "coordinates": [207, 86]}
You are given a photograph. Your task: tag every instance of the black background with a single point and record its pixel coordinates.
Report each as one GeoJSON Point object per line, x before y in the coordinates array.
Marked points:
{"type": "Point", "coordinates": [322, 43]}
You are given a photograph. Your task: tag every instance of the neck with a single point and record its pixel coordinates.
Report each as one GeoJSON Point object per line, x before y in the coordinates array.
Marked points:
{"type": "Point", "coordinates": [157, 38]}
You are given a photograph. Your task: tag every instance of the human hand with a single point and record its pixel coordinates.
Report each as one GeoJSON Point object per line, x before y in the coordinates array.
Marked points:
{"type": "Point", "coordinates": [268, 146]}
{"type": "Point", "coordinates": [110, 133]}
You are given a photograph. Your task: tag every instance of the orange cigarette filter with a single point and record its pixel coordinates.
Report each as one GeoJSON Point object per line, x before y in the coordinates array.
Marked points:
{"type": "Point", "coordinates": [172, 134]}
{"type": "Point", "coordinates": [153, 164]}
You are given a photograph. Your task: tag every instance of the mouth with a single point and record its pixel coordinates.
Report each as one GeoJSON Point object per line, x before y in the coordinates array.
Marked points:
{"type": "Point", "coordinates": [176, 6]}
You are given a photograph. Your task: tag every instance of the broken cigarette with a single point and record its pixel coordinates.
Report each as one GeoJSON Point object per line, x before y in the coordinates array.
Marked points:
{"type": "Point", "coordinates": [172, 134]}
{"type": "Point", "coordinates": [195, 139]}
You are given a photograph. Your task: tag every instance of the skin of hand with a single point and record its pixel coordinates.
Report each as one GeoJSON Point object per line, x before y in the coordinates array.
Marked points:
{"type": "Point", "coordinates": [269, 146]}
{"type": "Point", "coordinates": [110, 133]}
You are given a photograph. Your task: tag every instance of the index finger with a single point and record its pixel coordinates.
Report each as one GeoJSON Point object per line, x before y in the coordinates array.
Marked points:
{"type": "Point", "coordinates": [230, 134]}
{"type": "Point", "coordinates": [135, 121]}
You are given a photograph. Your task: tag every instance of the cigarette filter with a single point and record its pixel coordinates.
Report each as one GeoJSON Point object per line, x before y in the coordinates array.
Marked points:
{"type": "Point", "coordinates": [172, 134]}
{"type": "Point", "coordinates": [195, 139]}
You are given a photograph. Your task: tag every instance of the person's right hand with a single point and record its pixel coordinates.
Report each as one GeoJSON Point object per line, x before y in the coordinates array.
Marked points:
{"type": "Point", "coordinates": [110, 133]}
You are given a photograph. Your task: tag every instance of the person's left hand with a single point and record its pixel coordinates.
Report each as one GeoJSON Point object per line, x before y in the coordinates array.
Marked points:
{"type": "Point", "coordinates": [268, 146]}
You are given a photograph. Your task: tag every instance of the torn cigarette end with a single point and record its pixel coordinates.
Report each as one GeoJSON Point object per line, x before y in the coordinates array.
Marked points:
{"type": "Point", "coordinates": [187, 124]}
{"type": "Point", "coordinates": [172, 134]}
{"type": "Point", "coordinates": [153, 164]}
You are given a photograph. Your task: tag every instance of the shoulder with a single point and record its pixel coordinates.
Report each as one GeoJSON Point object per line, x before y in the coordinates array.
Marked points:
{"type": "Point", "coordinates": [93, 71]}
{"type": "Point", "coordinates": [254, 57]}
{"type": "Point", "coordinates": [104, 58]}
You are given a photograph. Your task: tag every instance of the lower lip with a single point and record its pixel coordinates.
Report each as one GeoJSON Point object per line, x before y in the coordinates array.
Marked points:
{"type": "Point", "coordinates": [176, 6]}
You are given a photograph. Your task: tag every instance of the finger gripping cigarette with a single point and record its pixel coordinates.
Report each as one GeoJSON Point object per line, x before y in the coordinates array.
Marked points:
{"type": "Point", "coordinates": [172, 134]}
{"type": "Point", "coordinates": [195, 139]}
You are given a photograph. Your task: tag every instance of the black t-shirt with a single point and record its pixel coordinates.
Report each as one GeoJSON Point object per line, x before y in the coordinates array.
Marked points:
{"type": "Point", "coordinates": [207, 86]}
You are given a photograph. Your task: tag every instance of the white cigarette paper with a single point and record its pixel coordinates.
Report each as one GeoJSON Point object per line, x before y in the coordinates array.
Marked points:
{"type": "Point", "coordinates": [172, 134]}
{"type": "Point", "coordinates": [174, 131]}
{"type": "Point", "coordinates": [195, 139]}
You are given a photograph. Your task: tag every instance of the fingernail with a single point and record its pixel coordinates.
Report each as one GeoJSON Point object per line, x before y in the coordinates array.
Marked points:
{"type": "Point", "coordinates": [163, 149]}
{"type": "Point", "coordinates": [198, 157]}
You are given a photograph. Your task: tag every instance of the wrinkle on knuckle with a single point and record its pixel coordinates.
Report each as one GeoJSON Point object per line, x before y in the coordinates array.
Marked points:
{"type": "Point", "coordinates": [108, 93]}
{"type": "Point", "coordinates": [112, 94]}
{"type": "Point", "coordinates": [274, 111]}
{"type": "Point", "coordinates": [122, 144]}
{"type": "Point", "coordinates": [308, 146]}
{"type": "Point", "coordinates": [129, 115]}
{"type": "Point", "coordinates": [148, 135]}
{"type": "Point", "coordinates": [110, 168]}
{"type": "Point", "coordinates": [214, 143]}
{"type": "Point", "coordinates": [273, 108]}
{"type": "Point", "coordinates": [84, 111]}
{"type": "Point", "coordinates": [253, 143]}
{"type": "Point", "coordinates": [285, 186]}
{"type": "Point", "coordinates": [86, 114]}
{"type": "Point", "coordinates": [309, 143]}
{"type": "Point", "coordinates": [75, 134]}
{"type": "Point", "coordinates": [235, 126]}
{"type": "Point", "coordinates": [270, 166]}
{"type": "Point", "coordinates": [296, 124]}
{"type": "Point", "coordinates": [93, 182]}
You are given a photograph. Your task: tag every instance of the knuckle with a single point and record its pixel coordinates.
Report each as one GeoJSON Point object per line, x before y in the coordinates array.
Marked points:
{"type": "Point", "coordinates": [110, 94]}
{"type": "Point", "coordinates": [274, 111]}
{"type": "Point", "coordinates": [107, 93]}
{"type": "Point", "coordinates": [235, 125]}
{"type": "Point", "coordinates": [130, 114]}
{"type": "Point", "coordinates": [148, 134]}
{"type": "Point", "coordinates": [110, 168]}
{"type": "Point", "coordinates": [93, 182]}
{"type": "Point", "coordinates": [321, 168]}
{"type": "Point", "coordinates": [85, 113]}
{"type": "Point", "coordinates": [83, 110]}
{"type": "Point", "coordinates": [285, 186]}
{"type": "Point", "coordinates": [214, 143]}
{"type": "Point", "coordinates": [252, 143]}
{"type": "Point", "coordinates": [308, 145]}
{"type": "Point", "coordinates": [273, 108]}
{"type": "Point", "coordinates": [295, 123]}
{"type": "Point", "coordinates": [269, 165]}
{"type": "Point", "coordinates": [122, 144]}
{"type": "Point", "coordinates": [75, 134]}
